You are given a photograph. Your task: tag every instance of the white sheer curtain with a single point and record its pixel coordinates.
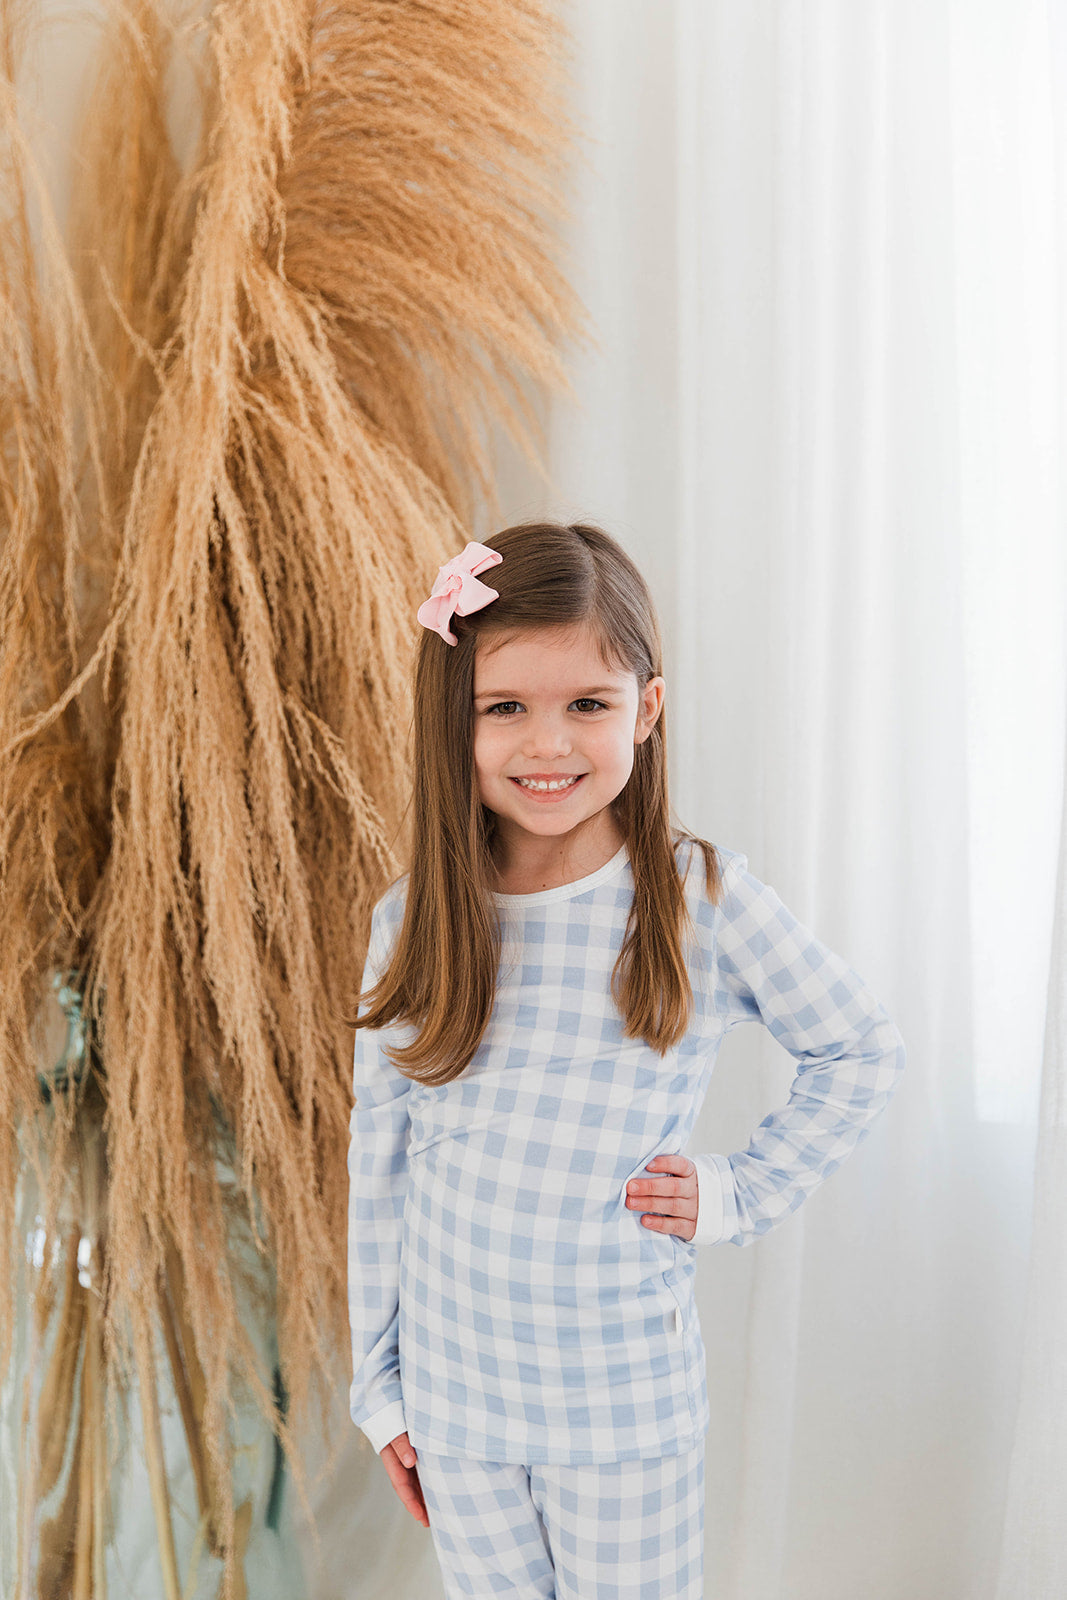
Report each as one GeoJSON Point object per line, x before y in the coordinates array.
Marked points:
{"type": "Point", "coordinates": [1034, 1549]}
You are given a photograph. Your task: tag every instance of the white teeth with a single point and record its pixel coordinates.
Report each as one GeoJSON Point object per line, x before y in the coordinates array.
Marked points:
{"type": "Point", "coordinates": [540, 783]}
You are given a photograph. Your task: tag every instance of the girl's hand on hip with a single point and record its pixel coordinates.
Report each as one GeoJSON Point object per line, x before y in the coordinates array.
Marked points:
{"type": "Point", "coordinates": [405, 1479]}
{"type": "Point", "coordinates": [670, 1203]}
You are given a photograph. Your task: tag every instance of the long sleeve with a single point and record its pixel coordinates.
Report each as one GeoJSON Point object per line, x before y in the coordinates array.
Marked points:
{"type": "Point", "coordinates": [768, 967]}
{"type": "Point", "coordinates": [377, 1182]}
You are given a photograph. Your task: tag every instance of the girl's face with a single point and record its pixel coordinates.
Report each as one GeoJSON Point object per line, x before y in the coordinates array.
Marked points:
{"type": "Point", "coordinates": [547, 709]}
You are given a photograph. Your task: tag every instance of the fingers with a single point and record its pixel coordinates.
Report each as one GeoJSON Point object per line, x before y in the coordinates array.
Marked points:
{"type": "Point", "coordinates": [667, 1215]}
{"type": "Point", "coordinates": [672, 1221]}
{"type": "Point", "coordinates": [685, 1187]}
{"type": "Point", "coordinates": [672, 1163]}
{"type": "Point", "coordinates": [684, 1227]}
{"type": "Point", "coordinates": [663, 1205]}
{"type": "Point", "coordinates": [679, 1183]}
{"type": "Point", "coordinates": [411, 1496]}
{"type": "Point", "coordinates": [668, 1202]}
{"type": "Point", "coordinates": [405, 1480]}
{"type": "Point", "coordinates": [670, 1174]}
{"type": "Point", "coordinates": [405, 1449]}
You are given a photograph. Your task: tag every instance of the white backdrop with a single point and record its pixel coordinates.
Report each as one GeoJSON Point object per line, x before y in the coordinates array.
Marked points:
{"type": "Point", "coordinates": [823, 247]}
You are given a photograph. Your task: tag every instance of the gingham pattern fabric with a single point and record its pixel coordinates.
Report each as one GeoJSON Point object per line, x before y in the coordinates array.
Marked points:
{"type": "Point", "coordinates": [623, 1530]}
{"type": "Point", "coordinates": [505, 1303]}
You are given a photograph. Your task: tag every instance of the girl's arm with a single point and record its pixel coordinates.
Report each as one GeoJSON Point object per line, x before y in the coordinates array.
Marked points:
{"type": "Point", "coordinates": [377, 1182]}
{"type": "Point", "coordinates": [768, 967]}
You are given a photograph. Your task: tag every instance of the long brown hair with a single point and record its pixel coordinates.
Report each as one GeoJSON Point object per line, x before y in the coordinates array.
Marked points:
{"type": "Point", "coordinates": [442, 973]}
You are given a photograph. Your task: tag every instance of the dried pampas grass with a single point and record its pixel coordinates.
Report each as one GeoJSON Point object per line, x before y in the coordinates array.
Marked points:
{"type": "Point", "coordinates": [243, 420]}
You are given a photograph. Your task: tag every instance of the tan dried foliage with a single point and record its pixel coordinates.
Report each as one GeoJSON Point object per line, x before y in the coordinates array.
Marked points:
{"type": "Point", "coordinates": [245, 412]}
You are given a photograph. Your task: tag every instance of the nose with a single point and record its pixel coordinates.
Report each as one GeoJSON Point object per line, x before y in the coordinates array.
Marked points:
{"type": "Point", "coordinates": [546, 736]}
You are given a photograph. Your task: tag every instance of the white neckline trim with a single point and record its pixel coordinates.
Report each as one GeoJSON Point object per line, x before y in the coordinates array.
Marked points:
{"type": "Point", "coordinates": [567, 891]}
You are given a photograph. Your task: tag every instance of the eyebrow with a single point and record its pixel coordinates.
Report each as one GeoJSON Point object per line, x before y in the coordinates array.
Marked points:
{"type": "Point", "coordinates": [515, 694]}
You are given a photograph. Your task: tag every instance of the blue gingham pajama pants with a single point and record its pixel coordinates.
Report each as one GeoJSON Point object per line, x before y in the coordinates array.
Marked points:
{"type": "Point", "coordinates": [620, 1530]}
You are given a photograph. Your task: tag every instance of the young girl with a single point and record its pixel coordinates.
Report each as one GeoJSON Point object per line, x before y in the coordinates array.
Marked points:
{"type": "Point", "coordinates": [548, 989]}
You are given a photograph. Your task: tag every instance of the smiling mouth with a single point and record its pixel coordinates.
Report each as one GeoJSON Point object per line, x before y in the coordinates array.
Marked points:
{"type": "Point", "coordinates": [549, 786]}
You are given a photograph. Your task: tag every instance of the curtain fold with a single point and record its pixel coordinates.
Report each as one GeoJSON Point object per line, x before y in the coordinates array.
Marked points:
{"type": "Point", "coordinates": [1033, 1554]}
{"type": "Point", "coordinates": [1033, 1557]}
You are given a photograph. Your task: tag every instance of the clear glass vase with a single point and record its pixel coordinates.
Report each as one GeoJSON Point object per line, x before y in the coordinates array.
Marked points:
{"type": "Point", "coordinates": [100, 1499]}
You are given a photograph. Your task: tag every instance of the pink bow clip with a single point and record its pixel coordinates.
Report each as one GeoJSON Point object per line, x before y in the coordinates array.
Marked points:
{"type": "Point", "coordinates": [456, 589]}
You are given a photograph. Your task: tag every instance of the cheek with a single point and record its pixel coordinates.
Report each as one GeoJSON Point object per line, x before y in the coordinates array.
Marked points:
{"type": "Point", "coordinates": [616, 748]}
{"type": "Point", "coordinates": [622, 764]}
{"type": "Point", "coordinates": [486, 746]}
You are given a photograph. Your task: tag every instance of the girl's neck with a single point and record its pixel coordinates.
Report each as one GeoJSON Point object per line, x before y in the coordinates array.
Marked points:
{"type": "Point", "coordinates": [528, 864]}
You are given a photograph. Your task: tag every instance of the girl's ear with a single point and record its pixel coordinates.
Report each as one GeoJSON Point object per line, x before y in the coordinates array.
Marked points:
{"type": "Point", "coordinates": [649, 709]}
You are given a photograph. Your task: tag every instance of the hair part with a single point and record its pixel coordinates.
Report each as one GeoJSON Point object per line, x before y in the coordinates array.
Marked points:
{"type": "Point", "coordinates": [441, 977]}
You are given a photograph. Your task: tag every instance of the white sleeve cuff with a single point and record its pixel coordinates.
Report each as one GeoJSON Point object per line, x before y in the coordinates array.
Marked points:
{"type": "Point", "coordinates": [382, 1428]}
{"type": "Point", "coordinates": [716, 1207]}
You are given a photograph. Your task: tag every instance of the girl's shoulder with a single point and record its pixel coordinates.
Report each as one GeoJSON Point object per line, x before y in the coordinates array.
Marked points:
{"type": "Point", "coordinates": [705, 868]}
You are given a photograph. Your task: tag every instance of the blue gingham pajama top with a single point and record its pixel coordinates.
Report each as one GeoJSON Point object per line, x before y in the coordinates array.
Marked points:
{"type": "Point", "coordinates": [505, 1303]}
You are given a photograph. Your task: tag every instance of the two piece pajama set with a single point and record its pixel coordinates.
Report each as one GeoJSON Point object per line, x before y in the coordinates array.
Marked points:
{"type": "Point", "coordinates": [536, 1341]}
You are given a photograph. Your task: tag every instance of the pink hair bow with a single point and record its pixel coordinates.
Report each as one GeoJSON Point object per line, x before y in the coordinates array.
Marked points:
{"type": "Point", "coordinates": [457, 589]}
